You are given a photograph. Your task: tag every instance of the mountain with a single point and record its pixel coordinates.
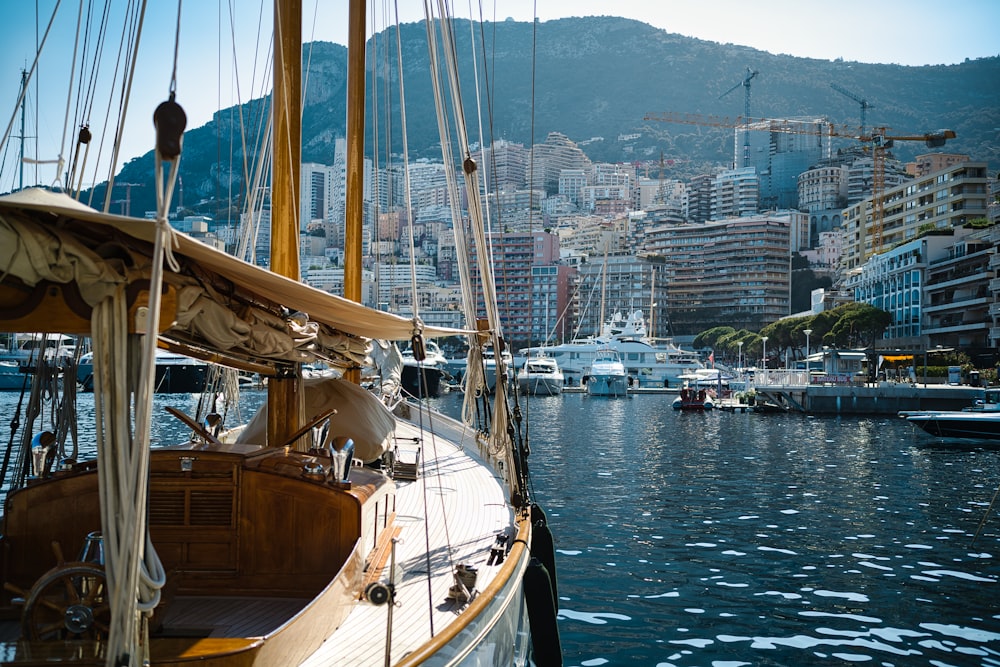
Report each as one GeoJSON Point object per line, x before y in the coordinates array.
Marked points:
{"type": "Point", "coordinates": [594, 79]}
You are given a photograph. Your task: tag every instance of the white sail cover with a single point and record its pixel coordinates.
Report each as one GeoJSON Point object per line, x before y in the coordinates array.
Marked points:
{"type": "Point", "coordinates": [47, 236]}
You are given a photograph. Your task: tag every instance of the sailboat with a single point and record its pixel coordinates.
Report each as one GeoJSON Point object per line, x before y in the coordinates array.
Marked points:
{"type": "Point", "coordinates": [337, 527]}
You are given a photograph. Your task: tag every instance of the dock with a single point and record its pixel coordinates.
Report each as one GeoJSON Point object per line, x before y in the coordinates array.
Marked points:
{"type": "Point", "coordinates": [880, 398]}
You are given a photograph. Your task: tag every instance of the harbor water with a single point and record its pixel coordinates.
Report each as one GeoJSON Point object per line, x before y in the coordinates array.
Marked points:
{"type": "Point", "coordinates": [725, 539]}
{"type": "Point", "coordinates": [729, 539]}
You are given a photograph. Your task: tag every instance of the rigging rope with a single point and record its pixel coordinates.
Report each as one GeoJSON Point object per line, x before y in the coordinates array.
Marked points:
{"type": "Point", "coordinates": [474, 382]}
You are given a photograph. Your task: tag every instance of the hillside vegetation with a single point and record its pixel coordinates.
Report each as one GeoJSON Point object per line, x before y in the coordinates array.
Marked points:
{"type": "Point", "coordinates": [594, 79]}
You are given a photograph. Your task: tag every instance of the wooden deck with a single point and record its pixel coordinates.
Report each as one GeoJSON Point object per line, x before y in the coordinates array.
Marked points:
{"type": "Point", "coordinates": [467, 509]}
{"type": "Point", "coordinates": [204, 616]}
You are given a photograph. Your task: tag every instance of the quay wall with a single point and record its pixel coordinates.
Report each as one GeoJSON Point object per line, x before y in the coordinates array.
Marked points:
{"type": "Point", "coordinates": [885, 398]}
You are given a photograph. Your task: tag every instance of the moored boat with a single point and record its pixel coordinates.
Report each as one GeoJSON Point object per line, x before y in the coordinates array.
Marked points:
{"type": "Point", "coordinates": [607, 374]}
{"type": "Point", "coordinates": [425, 376]}
{"type": "Point", "coordinates": [693, 399]}
{"type": "Point", "coordinates": [648, 363]}
{"type": "Point", "coordinates": [540, 376]}
{"type": "Point", "coordinates": [980, 421]}
{"type": "Point", "coordinates": [175, 373]}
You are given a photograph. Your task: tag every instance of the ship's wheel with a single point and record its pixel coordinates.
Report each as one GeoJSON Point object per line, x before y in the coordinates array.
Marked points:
{"type": "Point", "coordinates": [70, 601]}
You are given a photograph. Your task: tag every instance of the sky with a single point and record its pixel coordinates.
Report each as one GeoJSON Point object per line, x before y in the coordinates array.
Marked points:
{"type": "Point", "coordinates": [905, 32]}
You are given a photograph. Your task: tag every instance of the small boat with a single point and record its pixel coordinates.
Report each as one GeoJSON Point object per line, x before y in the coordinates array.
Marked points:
{"type": "Point", "coordinates": [693, 399]}
{"type": "Point", "coordinates": [607, 374]}
{"type": "Point", "coordinates": [426, 376]}
{"type": "Point", "coordinates": [11, 376]}
{"type": "Point", "coordinates": [980, 421]}
{"type": "Point", "coordinates": [175, 373]}
{"type": "Point", "coordinates": [540, 376]}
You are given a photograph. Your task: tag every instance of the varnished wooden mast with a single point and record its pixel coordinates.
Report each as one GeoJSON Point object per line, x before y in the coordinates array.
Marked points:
{"type": "Point", "coordinates": [355, 156]}
{"type": "Point", "coordinates": [284, 394]}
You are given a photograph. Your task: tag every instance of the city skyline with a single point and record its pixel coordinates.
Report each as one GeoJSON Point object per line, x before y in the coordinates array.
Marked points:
{"type": "Point", "coordinates": [780, 27]}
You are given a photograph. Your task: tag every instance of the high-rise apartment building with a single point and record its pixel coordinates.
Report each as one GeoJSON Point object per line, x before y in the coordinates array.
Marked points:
{"type": "Point", "coordinates": [622, 283]}
{"type": "Point", "coordinates": [946, 198]}
{"type": "Point", "coordinates": [780, 150]}
{"type": "Point", "coordinates": [823, 194]}
{"type": "Point", "coordinates": [735, 193]}
{"type": "Point", "coordinates": [549, 158]}
{"type": "Point", "coordinates": [516, 256]}
{"type": "Point", "coordinates": [732, 272]}
{"type": "Point", "coordinates": [699, 198]}
{"type": "Point", "coordinates": [504, 165]}
{"type": "Point", "coordinates": [315, 193]}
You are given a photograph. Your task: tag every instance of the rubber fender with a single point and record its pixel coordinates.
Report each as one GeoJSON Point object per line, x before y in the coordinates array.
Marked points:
{"type": "Point", "coordinates": [546, 650]}
{"type": "Point", "coordinates": [544, 549]}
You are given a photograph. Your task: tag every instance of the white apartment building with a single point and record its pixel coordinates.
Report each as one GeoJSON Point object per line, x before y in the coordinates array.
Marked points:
{"type": "Point", "coordinates": [571, 184]}
{"type": "Point", "coordinates": [392, 276]}
{"type": "Point", "coordinates": [823, 193]}
{"type": "Point", "coordinates": [735, 193]}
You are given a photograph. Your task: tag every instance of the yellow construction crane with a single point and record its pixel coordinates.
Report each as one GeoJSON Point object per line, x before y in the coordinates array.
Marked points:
{"type": "Point", "coordinates": [878, 139]}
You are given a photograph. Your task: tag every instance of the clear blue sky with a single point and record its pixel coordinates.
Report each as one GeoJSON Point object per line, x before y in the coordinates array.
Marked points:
{"type": "Point", "coordinates": [906, 32]}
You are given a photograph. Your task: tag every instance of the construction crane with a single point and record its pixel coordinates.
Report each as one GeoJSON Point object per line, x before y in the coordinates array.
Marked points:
{"type": "Point", "coordinates": [878, 139]}
{"type": "Point", "coordinates": [745, 83]}
{"type": "Point", "coordinates": [127, 210]}
{"type": "Point", "coordinates": [865, 104]}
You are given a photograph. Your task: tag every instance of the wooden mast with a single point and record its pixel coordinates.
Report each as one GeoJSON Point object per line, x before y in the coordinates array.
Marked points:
{"type": "Point", "coordinates": [285, 413]}
{"type": "Point", "coordinates": [355, 157]}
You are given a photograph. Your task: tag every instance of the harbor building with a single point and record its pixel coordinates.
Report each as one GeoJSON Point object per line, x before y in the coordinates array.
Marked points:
{"type": "Point", "coordinates": [895, 282]}
{"type": "Point", "coordinates": [957, 296]}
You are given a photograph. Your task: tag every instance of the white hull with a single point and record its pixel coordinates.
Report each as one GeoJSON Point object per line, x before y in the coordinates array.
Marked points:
{"type": "Point", "coordinates": [607, 385]}
{"type": "Point", "coordinates": [493, 628]}
{"type": "Point", "coordinates": [540, 385]}
{"type": "Point", "coordinates": [607, 374]}
{"type": "Point", "coordinates": [646, 364]}
{"type": "Point", "coordinates": [540, 376]}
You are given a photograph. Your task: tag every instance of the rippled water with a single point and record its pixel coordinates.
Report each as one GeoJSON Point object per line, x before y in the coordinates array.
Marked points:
{"type": "Point", "coordinates": [727, 539]}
